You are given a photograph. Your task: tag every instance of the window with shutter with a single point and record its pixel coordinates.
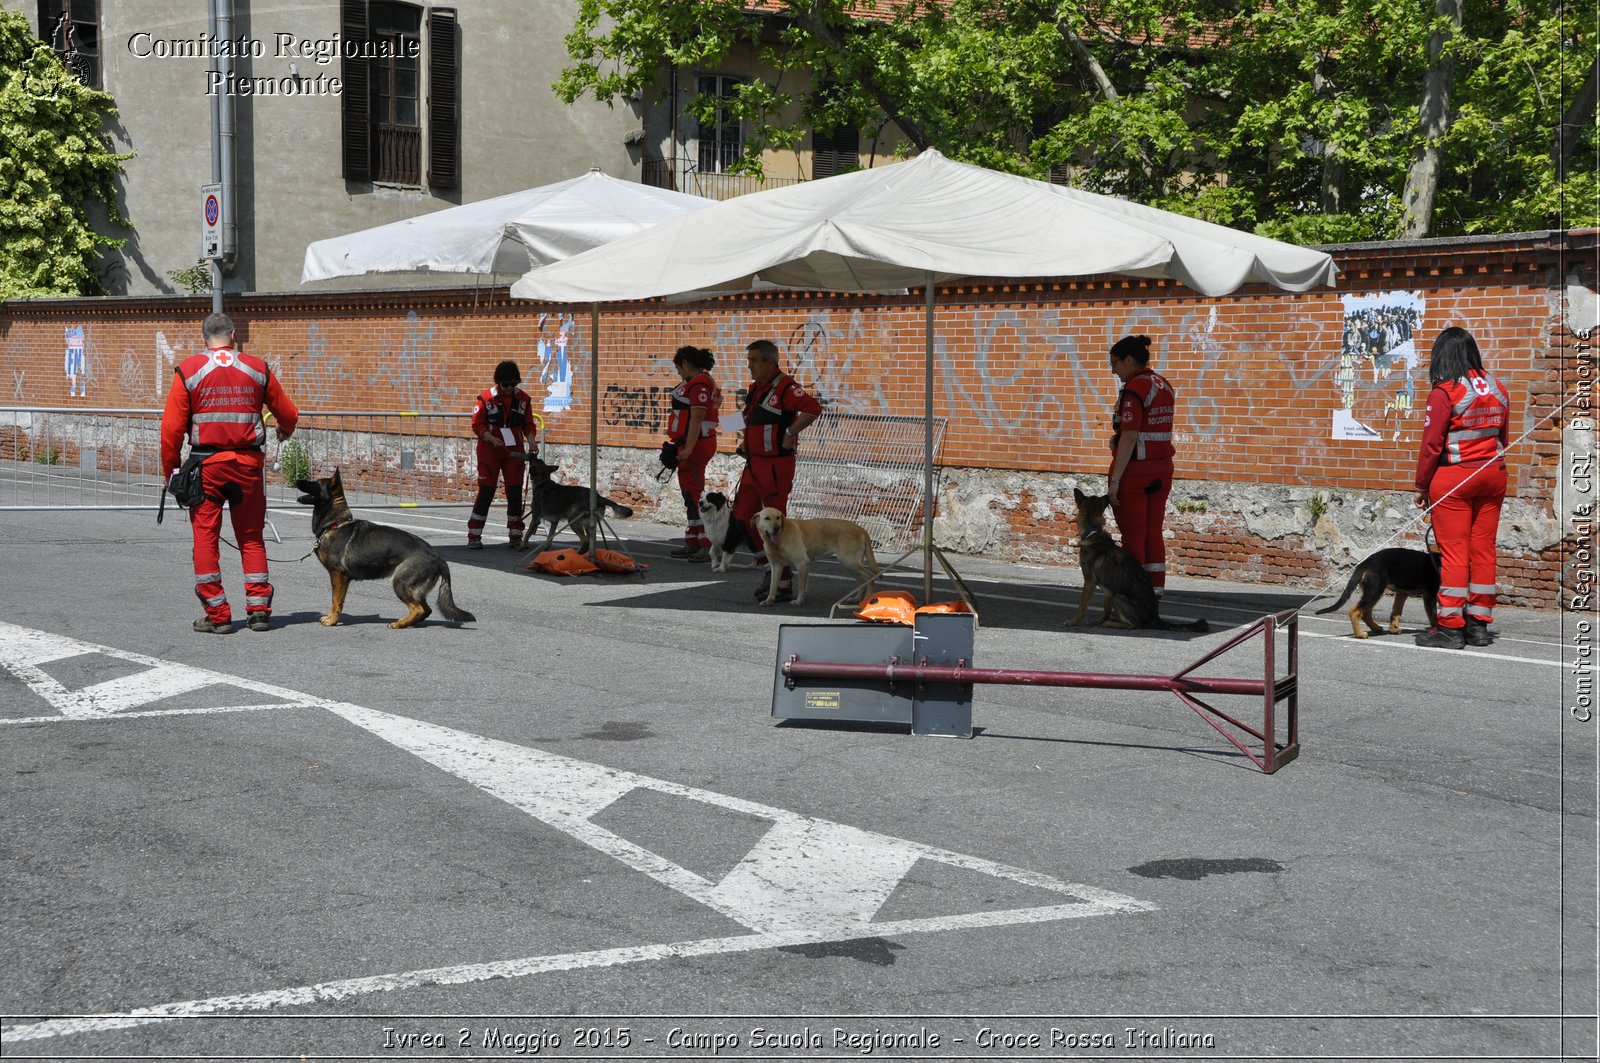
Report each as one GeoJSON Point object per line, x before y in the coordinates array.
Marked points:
{"type": "Point", "coordinates": [355, 114]}
{"type": "Point", "coordinates": [444, 99]}
{"type": "Point", "coordinates": [835, 152]}
{"type": "Point", "coordinates": [395, 85]}
{"type": "Point", "coordinates": [384, 118]}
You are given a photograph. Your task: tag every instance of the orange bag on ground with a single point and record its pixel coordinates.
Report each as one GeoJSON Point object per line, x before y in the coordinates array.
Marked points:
{"type": "Point", "coordinates": [561, 563]}
{"type": "Point", "coordinates": [889, 607]}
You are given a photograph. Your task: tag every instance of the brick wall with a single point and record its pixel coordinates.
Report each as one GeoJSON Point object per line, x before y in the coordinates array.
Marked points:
{"type": "Point", "coordinates": [1020, 372]}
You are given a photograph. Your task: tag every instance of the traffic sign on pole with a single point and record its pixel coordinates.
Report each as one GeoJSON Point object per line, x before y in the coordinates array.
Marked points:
{"type": "Point", "coordinates": [211, 221]}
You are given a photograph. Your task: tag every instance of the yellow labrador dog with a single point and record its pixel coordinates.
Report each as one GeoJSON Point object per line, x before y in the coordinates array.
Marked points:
{"type": "Point", "coordinates": [796, 543]}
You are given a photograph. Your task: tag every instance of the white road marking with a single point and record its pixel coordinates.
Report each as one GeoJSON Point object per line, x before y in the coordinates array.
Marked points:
{"type": "Point", "coordinates": [466, 974]}
{"type": "Point", "coordinates": [805, 881]}
{"type": "Point", "coordinates": [804, 872]}
{"type": "Point", "coordinates": [22, 651]}
{"type": "Point", "coordinates": [1404, 643]}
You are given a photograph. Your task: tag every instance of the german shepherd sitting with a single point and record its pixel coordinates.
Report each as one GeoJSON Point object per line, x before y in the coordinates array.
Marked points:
{"type": "Point", "coordinates": [1409, 573]}
{"type": "Point", "coordinates": [352, 549]}
{"type": "Point", "coordinates": [1130, 600]}
{"type": "Point", "coordinates": [563, 504]}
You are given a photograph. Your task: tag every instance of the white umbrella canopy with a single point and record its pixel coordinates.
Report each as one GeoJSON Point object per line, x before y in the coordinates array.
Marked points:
{"type": "Point", "coordinates": [508, 234]}
{"type": "Point", "coordinates": [916, 224]}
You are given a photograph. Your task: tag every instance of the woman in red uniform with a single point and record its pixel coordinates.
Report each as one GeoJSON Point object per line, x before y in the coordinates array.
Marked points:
{"type": "Point", "coordinates": [692, 425]}
{"type": "Point", "coordinates": [1141, 465]}
{"type": "Point", "coordinates": [1461, 473]}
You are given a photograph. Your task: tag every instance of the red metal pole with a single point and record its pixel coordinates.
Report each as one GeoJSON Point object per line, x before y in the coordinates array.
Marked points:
{"type": "Point", "coordinates": [924, 673]}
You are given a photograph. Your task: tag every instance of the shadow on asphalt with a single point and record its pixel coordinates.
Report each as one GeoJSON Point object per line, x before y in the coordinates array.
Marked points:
{"type": "Point", "coordinates": [1007, 602]}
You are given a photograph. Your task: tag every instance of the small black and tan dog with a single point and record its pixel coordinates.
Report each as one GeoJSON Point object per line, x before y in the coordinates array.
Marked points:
{"type": "Point", "coordinates": [1130, 600]}
{"type": "Point", "coordinates": [352, 549]}
{"type": "Point", "coordinates": [563, 504]}
{"type": "Point", "coordinates": [1409, 573]}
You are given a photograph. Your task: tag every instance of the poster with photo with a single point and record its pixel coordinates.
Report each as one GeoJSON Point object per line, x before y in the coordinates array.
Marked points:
{"type": "Point", "coordinates": [1378, 363]}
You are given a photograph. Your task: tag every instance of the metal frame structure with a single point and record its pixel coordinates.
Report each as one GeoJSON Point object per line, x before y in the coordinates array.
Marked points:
{"type": "Point", "coordinates": [937, 690]}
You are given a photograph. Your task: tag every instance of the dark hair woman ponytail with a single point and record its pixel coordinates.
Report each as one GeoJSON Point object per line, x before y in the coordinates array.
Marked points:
{"type": "Point", "coordinates": [1135, 347]}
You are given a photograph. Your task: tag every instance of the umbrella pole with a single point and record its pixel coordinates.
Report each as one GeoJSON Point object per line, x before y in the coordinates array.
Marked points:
{"type": "Point", "coordinates": [594, 426]}
{"type": "Point", "coordinates": [927, 446]}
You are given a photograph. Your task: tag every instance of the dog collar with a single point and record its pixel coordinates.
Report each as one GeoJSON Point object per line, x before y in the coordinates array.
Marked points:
{"type": "Point", "coordinates": [334, 527]}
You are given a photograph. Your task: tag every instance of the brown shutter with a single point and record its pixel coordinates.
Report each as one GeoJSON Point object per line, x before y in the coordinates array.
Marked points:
{"type": "Point", "coordinates": [355, 111]}
{"type": "Point", "coordinates": [444, 99]}
{"type": "Point", "coordinates": [835, 152]}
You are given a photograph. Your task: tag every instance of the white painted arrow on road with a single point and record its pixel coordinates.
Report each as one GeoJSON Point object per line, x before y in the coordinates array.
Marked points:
{"type": "Point", "coordinates": [805, 881]}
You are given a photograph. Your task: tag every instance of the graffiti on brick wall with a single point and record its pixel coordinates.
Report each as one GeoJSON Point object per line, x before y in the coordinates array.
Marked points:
{"type": "Point", "coordinates": [822, 353]}
{"type": "Point", "coordinates": [635, 407]}
{"type": "Point", "coordinates": [167, 357]}
{"type": "Point", "coordinates": [553, 333]}
{"type": "Point", "coordinates": [415, 372]}
{"type": "Point", "coordinates": [1379, 342]}
{"type": "Point", "coordinates": [313, 375]}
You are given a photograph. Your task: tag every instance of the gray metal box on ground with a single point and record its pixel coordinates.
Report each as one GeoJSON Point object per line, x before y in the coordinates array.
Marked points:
{"type": "Point", "coordinates": [863, 673]}
{"type": "Point", "coordinates": [857, 700]}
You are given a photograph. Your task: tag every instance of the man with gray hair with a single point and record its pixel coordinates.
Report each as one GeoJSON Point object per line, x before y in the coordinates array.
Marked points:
{"type": "Point", "coordinates": [216, 400]}
{"type": "Point", "coordinates": [776, 410]}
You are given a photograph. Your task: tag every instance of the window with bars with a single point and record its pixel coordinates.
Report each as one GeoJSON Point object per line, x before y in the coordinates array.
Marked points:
{"type": "Point", "coordinates": [390, 127]}
{"type": "Point", "coordinates": [721, 141]}
{"type": "Point", "coordinates": [72, 28]}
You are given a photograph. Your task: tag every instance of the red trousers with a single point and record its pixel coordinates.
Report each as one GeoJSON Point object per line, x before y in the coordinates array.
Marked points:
{"type": "Point", "coordinates": [765, 482]}
{"type": "Point", "coordinates": [241, 484]}
{"type": "Point", "coordinates": [1141, 509]}
{"type": "Point", "coordinates": [1465, 524]}
{"type": "Point", "coordinates": [495, 465]}
{"type": "Point", "coordinates": [692, 482]}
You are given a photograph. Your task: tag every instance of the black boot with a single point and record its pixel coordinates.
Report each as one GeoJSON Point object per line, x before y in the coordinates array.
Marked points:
{"type": "Point", "coordinates": [1477, 632]}
{"type": "Point", "coordinates": [1442, 638]}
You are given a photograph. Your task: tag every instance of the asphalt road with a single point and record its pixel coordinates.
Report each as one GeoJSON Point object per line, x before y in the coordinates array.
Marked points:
{"type": "Point", "coordinates": [573, 830]}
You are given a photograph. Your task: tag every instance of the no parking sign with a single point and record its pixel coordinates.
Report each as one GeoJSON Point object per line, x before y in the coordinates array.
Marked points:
{"type": "Point", "coordinates": [211, 221]}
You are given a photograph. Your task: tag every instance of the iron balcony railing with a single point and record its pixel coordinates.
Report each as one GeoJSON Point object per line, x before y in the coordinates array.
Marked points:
{"type": "Point", "coordinates": [685, 175]}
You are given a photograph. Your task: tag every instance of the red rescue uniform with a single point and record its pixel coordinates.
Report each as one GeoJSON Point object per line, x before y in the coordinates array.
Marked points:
{"type": "Point", "coordinates": [510, 420]}
{"type": "Point", "coordinates": [216, 400]}
{"type": "Point", "coordinates": [769, 476]}
{"type": "Point", "coordinates": [1145, 407]}
{"type": "Point", "coordinates": [1462, 471]}
{"type": "Point", "coordinates": [699, 392]}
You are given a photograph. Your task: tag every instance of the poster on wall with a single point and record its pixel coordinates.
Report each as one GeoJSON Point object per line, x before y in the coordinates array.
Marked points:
{"type": "Point", "coordinates": [1377, 364]}
{"type": "Point", "coordinates": [555, 371]}
{"type": "Point", "coordinates": [76, 369]}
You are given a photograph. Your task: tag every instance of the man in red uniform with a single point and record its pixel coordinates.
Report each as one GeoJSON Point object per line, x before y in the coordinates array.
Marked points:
{"type": "Point", "coordinates": [692, 426]}
{"type": "Point", "coordinates": [1141, 465]}
{"type": "Point", "coordinates": [216, 399]}
{"type": "Point", "coordinates": [503, 422]}
{"type": "Point", "coordinates": [1462, 471]}
{"type": "Point", "coordinates": [776, 411]}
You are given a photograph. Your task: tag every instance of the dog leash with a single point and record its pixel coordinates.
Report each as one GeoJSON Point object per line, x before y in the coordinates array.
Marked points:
{"type": "Point", "coordinates": [1426, 516]}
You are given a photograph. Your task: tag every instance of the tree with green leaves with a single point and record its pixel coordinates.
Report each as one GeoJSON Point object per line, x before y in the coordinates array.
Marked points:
{"type": "Point", "coordinates": [55, 164]}
{"type": "Point", "coordinates": [1309, 120]}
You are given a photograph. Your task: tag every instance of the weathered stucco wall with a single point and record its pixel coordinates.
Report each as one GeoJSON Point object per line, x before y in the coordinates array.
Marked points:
{"type": "Point", "coordinates": [1266, 382]}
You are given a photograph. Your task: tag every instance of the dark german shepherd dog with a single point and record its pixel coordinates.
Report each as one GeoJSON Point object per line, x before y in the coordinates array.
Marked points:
{"type": "Point", "coordinates": [352, 549]}
{"type": "Point", "coordinates": [563, 504]}
{"type": "Point", "coordinates": [1409, 573]}
{"type": "Point", "coordinates": [1130, 600]}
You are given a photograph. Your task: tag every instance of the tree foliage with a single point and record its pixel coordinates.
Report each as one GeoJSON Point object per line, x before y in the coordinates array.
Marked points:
{"type": "Point", "coordinates": [55, 162]}
{"type": "Point", "coordinates": [1295, 118]}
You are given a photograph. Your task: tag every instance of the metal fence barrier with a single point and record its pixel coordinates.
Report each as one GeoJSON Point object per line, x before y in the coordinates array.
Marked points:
{"type": "Point", "coordinates": [76, 458]}
{"type": "Point", "coordinates": [867, 468]}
